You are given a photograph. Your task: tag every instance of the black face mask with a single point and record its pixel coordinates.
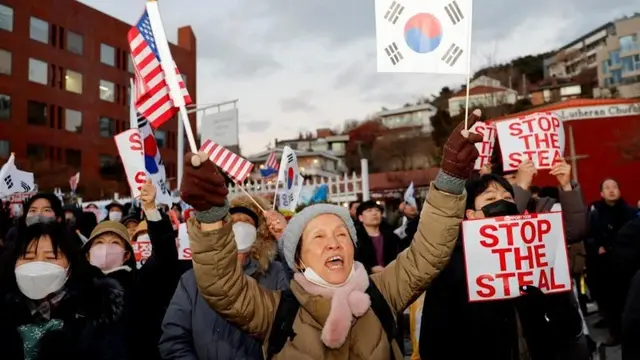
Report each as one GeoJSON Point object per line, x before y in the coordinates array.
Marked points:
{"type": "Point", "coordinates": [500, 208]}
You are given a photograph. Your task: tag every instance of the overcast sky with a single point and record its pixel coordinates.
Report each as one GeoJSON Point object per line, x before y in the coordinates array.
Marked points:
{"type": "Point", "coordinates": [300, 65]}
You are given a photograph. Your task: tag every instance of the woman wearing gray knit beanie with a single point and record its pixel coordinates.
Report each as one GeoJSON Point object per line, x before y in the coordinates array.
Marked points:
{"type": "Point", "coordinates": [334, 309]}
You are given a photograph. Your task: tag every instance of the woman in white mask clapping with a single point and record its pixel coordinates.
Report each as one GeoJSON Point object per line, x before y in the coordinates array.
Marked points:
{"type": "Point", "coordinates": [54, 305]}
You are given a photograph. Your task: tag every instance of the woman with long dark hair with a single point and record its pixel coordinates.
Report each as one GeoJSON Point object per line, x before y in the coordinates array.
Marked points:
{"type": "Point", "coordinates": [53, 305]}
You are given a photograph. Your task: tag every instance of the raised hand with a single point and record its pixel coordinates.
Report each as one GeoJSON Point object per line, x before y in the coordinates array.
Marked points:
{"type": "Point", "coordinates": [148, 195]}
{"type": "Point", "coordinates": [203, 186]}
{"type": "Point", "coordinates": [562, 171]}
{"type": "Point", "coordinates": [459, 152]}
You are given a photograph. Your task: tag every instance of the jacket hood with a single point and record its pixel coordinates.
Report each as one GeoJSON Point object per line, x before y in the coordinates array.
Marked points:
{"type": "Point", "coordinates": [264, 250]}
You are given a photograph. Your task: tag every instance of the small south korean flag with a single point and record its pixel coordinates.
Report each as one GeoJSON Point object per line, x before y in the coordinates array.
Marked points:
{"type": "Point", "coordinates": [426, 36]}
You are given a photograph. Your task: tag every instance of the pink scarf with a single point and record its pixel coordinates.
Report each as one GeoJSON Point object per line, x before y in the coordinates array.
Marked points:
{"type": "Point", "coordinates": [347, 302]}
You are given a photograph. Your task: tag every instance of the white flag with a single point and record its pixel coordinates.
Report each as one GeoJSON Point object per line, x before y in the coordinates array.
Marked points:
{"type": "Point", "coordinates": [291, 180]}
{"type": "Point", "coordinates": [423, 36]}
{"type": "Point", "coordinates": [14, 181]}
{"type": "Point", "coordinates": [409, 197]}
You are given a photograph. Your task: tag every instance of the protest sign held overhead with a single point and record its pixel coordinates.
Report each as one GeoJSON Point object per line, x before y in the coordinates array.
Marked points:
{"type": "Point", "coordinates": [131, 147]}
{"type": "Point", "coordinates": [504, 253]}
{"type": "Point", "coordinates": [485, 147]}
{"type": "Point", "coordinates": [423, 36]}
{"type": "Point", "coordinates": [538, 137]}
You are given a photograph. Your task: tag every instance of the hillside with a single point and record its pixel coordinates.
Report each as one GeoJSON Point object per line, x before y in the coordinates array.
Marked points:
{"type": "Point", "coordinates": [511, 73]}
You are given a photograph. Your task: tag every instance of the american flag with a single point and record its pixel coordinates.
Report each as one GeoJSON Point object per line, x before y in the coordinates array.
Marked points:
{"type": "Point", "coordinates": [233, 165]}
{"type": "Point", "coordinates": [272, 162]}
{"type": "Point", "coordinates": [151, 92]}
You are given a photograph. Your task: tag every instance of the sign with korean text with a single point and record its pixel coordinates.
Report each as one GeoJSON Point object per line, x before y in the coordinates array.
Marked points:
{"type": "Point", "coordinates": [538, 137]}
{"type": "Point", "coordinates": [504, 253]}
{"type": "Point", "coordinates": [485, 147]}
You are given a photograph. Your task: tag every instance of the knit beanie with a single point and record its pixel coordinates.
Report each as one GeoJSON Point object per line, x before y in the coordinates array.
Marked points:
{"type": "Point", "coordinates": [292, 234]}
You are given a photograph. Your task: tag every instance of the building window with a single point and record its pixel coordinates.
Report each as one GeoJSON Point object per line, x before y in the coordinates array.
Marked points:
{"type": "Point", "coordinates": [107, 91]}
{"type": "Point", "coordinates": [161, 138]}
{"type": "Point", "coordinates": [614, 56]}
{"type": "Point", "coordinates": [130, 64]}
{"type": "Point", "coordinates": [75, 43]}
{"type": "Point", "coordinates": [107, 55]}
{"type": "Point", "coordinates": [36, 152]}
{"type": "Point", "coordinates": [73, 158]}
{"type": "Point", "coordinates": [629, 43]}
{"type": "Point", "coordinates": [616, 76]}
{"type": "Point", "coordinates": [107, 165]}
{"type": "Point", "coordinates": [5, 107]}
{"type": "Point", "coordinates": [37, 113]}
{"type": "Point", "coordinates": [107, 127]}
{"type": "Point", "coordinates": [605, 67]}
{"type": "Point", "coordinates": [5, 148]}
{"type": "Point", "coordinates": [73, 121]}
{"type": "Point", "coordinates": [38, 71]}
{"type": "Point", "coordinates": [6, 18]}
{"type": "Point", "coordinates": [5, 62]}
{"type": "Point", "coordinates": [628, 64]}
{"type": "Point", "coordinates": [39, 30]}
{"type": "Point", "coordinates": [73, 81]}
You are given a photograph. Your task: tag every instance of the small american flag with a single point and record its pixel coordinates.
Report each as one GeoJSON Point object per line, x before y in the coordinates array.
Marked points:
{"type": "Point", "coordinates": [73, 182]}
{"type": "Point", "coordinates": [233, 165]}
{"type": "Point", "coordinates": [272, 162]}
{"type": "Point", "coordinates": [151, 91]}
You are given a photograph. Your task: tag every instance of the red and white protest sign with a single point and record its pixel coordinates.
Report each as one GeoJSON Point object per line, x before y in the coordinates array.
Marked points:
{"type": "Point", "coordinates": [485, 147]}
{"type": "Point", "coordinates": [184, 249]}
{"type": "Point", "coordinates": [538, 137]}
{"type": "Point", "coordinates": [504, 253]}
{"type": "Point", "coordinates": [142, 248]}
{"type": "Point", "coordinates": [129, 144]}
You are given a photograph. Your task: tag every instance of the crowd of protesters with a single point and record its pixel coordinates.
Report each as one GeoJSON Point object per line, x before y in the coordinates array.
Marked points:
{"type": "Point", "coordinates": [329, 283]}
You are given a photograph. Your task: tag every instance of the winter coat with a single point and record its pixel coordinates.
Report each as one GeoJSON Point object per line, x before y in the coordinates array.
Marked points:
{"type": "Point", "coordinates": [605, 221]}
{"type": "Point", "coordinates": [148, 290]}
{"type": "Point", "coordinates": [454, 328]}
{"type": "Point", "coordinates": [392, 245]}
{"type": "Point", "coordinates": [89, 315]}
{"type": "Point", "coordinates": [193, 330]}
{"type": "Point", "coordinates": [573, 210]}
{"type": "Point", "coordinates": [631, 322]}
{"type": "Point", "coordinates": [251, 308]}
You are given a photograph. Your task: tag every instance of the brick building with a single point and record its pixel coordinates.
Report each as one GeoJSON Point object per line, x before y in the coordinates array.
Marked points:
{"type": "Point", "coordinates": [64, 93]}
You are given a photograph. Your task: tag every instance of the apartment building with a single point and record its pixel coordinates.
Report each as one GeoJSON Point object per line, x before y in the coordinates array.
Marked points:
{"type": "Point", "coordinates": [409, 116]}
{"type": "Point", "coordinates": [64, 93]}
{"type": "Point", "coordinates": [483, 92]}
{"type": "Point", "coordinates": [619, 60]}
{"type": "Point", "coordinates": [613, 49]}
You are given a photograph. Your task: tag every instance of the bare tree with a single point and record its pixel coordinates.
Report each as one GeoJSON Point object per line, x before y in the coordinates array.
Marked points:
{"type": "Point", "coordinates": [409, 150]}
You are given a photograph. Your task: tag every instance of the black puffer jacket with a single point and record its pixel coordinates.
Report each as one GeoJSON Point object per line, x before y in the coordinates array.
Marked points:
{"type": "Point", "coordinates": [90, 312]}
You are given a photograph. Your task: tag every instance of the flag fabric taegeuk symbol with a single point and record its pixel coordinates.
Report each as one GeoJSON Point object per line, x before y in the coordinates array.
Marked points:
{"type": "Point", "coordinates": [424, 37]}
{"type": "Point", "coordinates": [14, 181]}
{"type": "Point", "coordinates": [233, 165]}
{"type": "Point", "coordinates": [152, 157]}
{"type": "Point", "coordinates": [152, 92]}
{"type": "Point", "coordinates": [73, 182]}
{"type": "Point", "coordinates": [289, 175]}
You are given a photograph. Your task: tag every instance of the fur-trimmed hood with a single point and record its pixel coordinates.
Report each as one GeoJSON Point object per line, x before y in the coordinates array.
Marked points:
{"type": "Point", "coordinates": [264, 250]}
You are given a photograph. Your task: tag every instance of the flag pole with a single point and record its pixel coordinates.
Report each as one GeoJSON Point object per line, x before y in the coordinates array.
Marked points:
{"type": "Point", "coordinates": [275, 194]}
{"type": "Point", "coordinates": [250, 197]}
{"type": "Point", "coordinates": [133, 114]}
{"type": "Point", "coordinates": [180, 150]}
{"type": "Point", "coordinates": [466, 107]}
{"type": "Point", "coordinates": [169, 69]}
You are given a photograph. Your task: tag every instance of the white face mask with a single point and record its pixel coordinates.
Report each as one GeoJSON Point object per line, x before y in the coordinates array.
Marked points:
{"type": "Point", "coordinates": [245, 235]}
{"type": "Point", "coordinates": [37, 279]}
{"type": "Point", "coordinates": [313, 277]}
{"type": "Point", "coordinates": [115, 216]}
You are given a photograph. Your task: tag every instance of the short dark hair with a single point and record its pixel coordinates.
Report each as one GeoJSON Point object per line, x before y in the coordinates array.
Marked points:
{"type": "Point", "coordinates": [534, 189]}
{"type": "Point", "coordinates": [354, 203]}
{"type": "Point", "coordinates": [607, 179]}
{"type": "Point", "coordinates": [369, 204]}
{"type": "Point", "coordinates": [476, 187]}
